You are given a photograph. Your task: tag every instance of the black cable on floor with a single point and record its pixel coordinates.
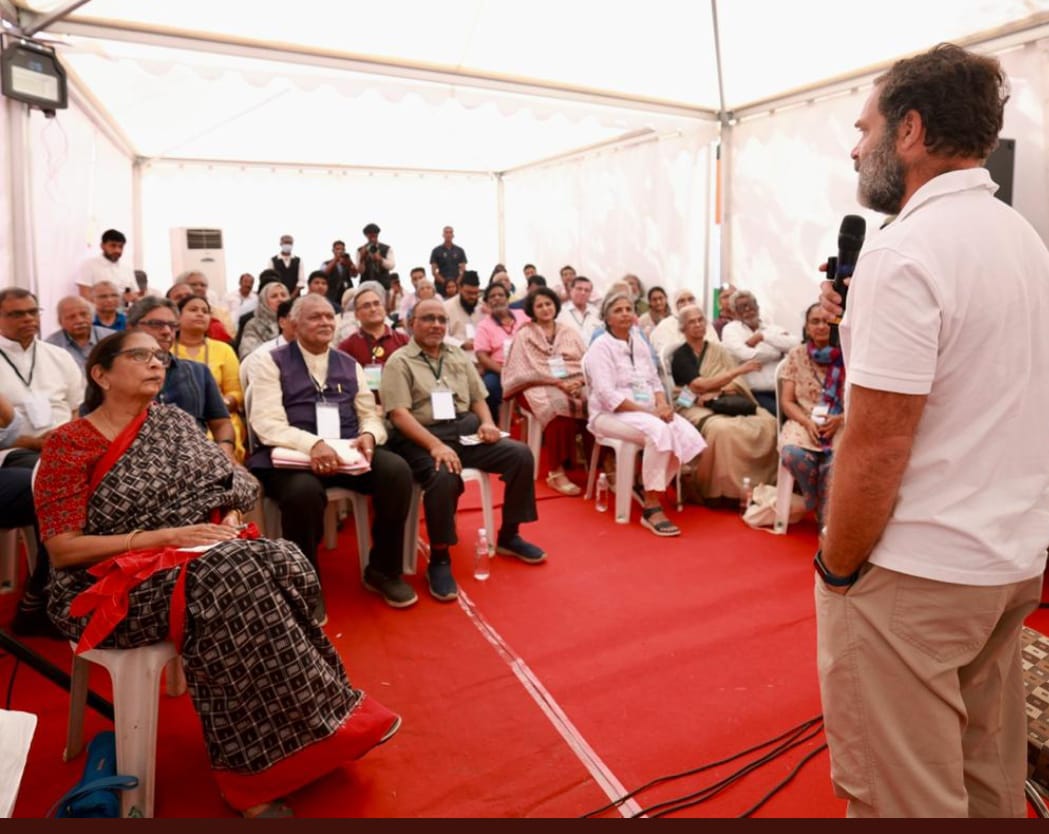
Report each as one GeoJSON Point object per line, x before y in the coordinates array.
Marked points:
{"type": "Point", "coordinates": [789, 777]}
{"type": "Point", "coordinates": [802, 727]}
{"type": "Point", "coordinates": [670, 806]}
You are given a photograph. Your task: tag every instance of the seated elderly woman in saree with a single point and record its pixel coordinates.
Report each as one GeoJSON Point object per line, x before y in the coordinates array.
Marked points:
{"type": "Point", "coordinates": [122, 495]}
{"type": "Point", "coordinates": [545, 368]}
{"type": "Point", "coordinates": [711, 395]}
{"type": "Point", "coordinates": [626, 397]}
{"type": "Point", "coordinates": [263, 325]}
{"type": "Point", "coordinates": [812, 399]}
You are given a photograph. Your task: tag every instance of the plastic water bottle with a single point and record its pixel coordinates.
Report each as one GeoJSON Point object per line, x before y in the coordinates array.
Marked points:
{"type": "Point", "coordinates": [746, 495]}
{"type": "Point", "coordinates": [601, 496]}
{"type": "Point", "coordinates": [482, 558]}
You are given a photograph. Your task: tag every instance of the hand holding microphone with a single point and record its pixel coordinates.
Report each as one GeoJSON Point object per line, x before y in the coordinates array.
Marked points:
{"type": "Point", "coordinates": [839, 269]}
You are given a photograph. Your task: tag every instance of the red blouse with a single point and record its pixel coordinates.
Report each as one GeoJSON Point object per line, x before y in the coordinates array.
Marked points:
{"type": "Point", "coordinates": [60, 489]}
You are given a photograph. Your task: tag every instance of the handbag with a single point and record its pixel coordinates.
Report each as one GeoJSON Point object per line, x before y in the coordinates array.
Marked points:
{"type": "Point", "coordinates": [732, 405]}
{"type": "Point", "coordinates": [95, 795]}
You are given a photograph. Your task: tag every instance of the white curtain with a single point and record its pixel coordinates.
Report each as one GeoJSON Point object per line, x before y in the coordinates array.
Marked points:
{"type": "Point", "coordinates": [7, 261]}
{"type": "Point", "coordinates": [81, 187]}
{"type": "Point", "coordinates": [791, 181]}
{"type": "Point", "coordinates": [642, 209]}
{"type": "Point", "coordinates": [255, 205]}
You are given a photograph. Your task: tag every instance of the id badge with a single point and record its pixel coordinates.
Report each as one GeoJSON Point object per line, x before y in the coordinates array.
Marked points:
{"type": "Point", "coordinates": [640, 393]}
{"type": "Point", "coordinates": [557, 367]}
{"type": "Point", "coordinates": [328, 424]}
{"type": "Point", "coordinates": [443, 404]}
{"type": "Point", "coordinates": [686, 398]}
{"type": "Point", "coordinates": [373, 376]}
{"type": "Point", "coordinates": [37, 411]}
{"type": "Point", "coordinates": [506, 348]}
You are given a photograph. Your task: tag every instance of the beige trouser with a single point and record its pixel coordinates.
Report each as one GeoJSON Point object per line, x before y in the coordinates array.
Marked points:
{"type": "Point", "coordinates": [923, 695]}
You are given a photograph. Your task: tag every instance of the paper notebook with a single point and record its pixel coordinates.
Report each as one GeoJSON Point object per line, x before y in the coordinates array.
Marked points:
{"type": "Point", "coordinates": [353, 462]}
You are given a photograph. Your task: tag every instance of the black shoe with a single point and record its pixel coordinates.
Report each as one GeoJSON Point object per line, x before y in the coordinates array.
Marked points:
{"type": "Point", "coordinates": [441, 582]}
{"type": "Point", "coordinates": [34, 622]}
{"type": "Point", "coordinates": [525, 551]}
{"type": "Point", "coordinates": [395, 591]}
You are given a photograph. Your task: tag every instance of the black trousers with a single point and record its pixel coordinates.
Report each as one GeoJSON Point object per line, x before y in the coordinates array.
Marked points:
{"type": "Point", "coordinates": [16, 510]}
{"type": "Point", "coordinates": [441, 489]}
{"type": "Point", "coordinates": [301, 497]}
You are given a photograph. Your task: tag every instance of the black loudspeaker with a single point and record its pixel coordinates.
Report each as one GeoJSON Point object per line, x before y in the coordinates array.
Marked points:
{"type": "Point", "coordinates": [1000, 165]}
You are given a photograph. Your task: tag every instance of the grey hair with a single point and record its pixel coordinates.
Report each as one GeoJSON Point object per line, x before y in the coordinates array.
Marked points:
{"type": "Point", "coordinates": [144, 306]}
{"type": "Point", "coordinates": [372, 286]}
{"type": "Point", "coordinates": [739, 295]}
{"type": "Point", "coordinates": [310, 298]}
{"type": "Point", "coordinates": [112, 285]}
{"type": "Point", "coordinates": [682, 314]}
{"type": "Point", "coordinates": [76, 299]}
{"type": "Point", "coordinates": [610, 301]}
{"type": "Point", "coordinates": [185, 276]}
{"type": "Point", "coordinates": [15, 294]}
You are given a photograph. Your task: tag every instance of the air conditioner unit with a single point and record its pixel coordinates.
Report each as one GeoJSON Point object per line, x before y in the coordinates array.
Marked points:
{"type": "Point", "coordinates": [200, 250]}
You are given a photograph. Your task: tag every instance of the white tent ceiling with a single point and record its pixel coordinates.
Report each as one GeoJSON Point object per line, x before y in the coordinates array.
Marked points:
{"type": "Point", "coordinates": [469, 84]}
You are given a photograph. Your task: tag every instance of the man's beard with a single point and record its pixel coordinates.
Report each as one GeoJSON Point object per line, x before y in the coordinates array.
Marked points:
{"type": "Point", "coordinates": [881, 185]}
{"type": "Point", "coordinates": [467, 305]}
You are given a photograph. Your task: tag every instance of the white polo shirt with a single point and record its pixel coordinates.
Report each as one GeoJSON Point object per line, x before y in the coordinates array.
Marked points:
{"type": "Point", "coordinates": [952, 301]}
{"type": "Point", "coordinates": [100, 268]}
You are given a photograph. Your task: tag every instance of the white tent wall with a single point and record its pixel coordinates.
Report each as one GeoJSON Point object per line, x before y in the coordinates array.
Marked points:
{"type": "Point", "coordinates": [7, 255]}
{"type": "Point", "coordinates": [791, 181]}
{"type": "Point", "coordinates": [254, 205]}
{"type": "Point", "coordinates": [81, 186]}
{"type": "Point", "coordinates": [642, 208]}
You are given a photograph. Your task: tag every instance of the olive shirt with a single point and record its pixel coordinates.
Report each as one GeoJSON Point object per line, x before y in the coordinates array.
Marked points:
{"type": "Point", "coordinates": [410, 376]}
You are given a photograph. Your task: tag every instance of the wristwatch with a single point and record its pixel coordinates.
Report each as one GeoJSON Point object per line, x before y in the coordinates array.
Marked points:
{"type": "Point", "coordinates": [833, 579]}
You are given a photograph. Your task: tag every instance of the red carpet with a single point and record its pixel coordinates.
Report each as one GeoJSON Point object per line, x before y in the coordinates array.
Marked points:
{"type": "Point", "coordinates": [662, 654]}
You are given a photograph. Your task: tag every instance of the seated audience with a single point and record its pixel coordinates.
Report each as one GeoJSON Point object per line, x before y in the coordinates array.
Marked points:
{"type": "Point", "coordinates": [545, 368]}
{"type": "Point", "coordinates": [394, 298]}
{"type": "Point", "coordinates": [374, 341]}
{"type": "Point", "coordinates": [813, 381]}
{"type": "Point", "coordinates": [76, 334]}
{"type": "Point", "coordinates": [318, 285]}
{"type": "Point", "coordinates": [626, 396]}
{"type": "Point", "coordinates": [751, 338]}
{"type": "Point", "coordinates": [637, 292]}
{"type": "Point", "coordinates": [409, 299]}
{"type": "Point", "coordinates": [193, 343]}
{"type": "Point", "coordinates": [577, 311]}
{"type": "Point", "coordinates": [451, 287]}
{"type": "Point", "coordinates": [658, 309]}
{"type": "Point", "coordinates": [267, 276]}
{"type": "Point", "coordinates": [725, 311]}
{"type": "Point", "coordinates": [16, 510]}
{"type": "Point", "coordinates": [285, 412]}
{"type": "Point", "coordinates": [263, 325]}
{"type": "Point", "coordinates": [239, 612]}
{"type": "Point", "coordinates": [346, 321]}
{"type": "Point", "coordinates": [220, 327]}
{"type": "Point", "coordinates": [243, 299]}
{"type": "Point", "coordinates": [564, 292]}
{"type": "Point", "coordinates": [105, 295]}
{"type": "Point", "coordinates": [40, 380]}
{"type": "Point", "coordinates": [286, 335]}
{"type": "Point", "coordinates": [534, 283]}
{"type": "Point", "coordinates": [177, 291]}
{"type": "Point", "coordinates": [187, 384]}
{"type": "Point", "coordinates": [740, 435]}
{"type": "Point", "coordinates": [434, 398]}
{"type": "Point", "coordinates": [464, 311]}
{"type": "Point", "coordinates": [494, 333]}
{"type": "Point", "coordinates": [666, 335]}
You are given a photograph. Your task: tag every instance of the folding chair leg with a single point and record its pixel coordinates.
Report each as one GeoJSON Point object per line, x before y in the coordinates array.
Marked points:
{"type": "Point", "coordinates": [77, 702]}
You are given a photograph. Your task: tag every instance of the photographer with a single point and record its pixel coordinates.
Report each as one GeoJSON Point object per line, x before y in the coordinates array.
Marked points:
{"type": "Point", "coordinates": [375, 260]}
{"type": "Point", "coordinates": [339, 271]}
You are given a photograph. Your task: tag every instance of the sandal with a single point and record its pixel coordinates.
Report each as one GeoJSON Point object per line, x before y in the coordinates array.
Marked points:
{"type": "Point", "coordinates": [562, 484]}
{"type": "Point", "coordinates": [661, 528]}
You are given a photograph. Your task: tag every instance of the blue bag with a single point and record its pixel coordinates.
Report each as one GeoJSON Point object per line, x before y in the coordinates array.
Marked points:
{"type": "Point", "coordinates": [95, 795]}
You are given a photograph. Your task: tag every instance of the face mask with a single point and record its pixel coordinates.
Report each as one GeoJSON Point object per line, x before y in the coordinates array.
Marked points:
{"type": "Point", "coordinates": [285, 248]}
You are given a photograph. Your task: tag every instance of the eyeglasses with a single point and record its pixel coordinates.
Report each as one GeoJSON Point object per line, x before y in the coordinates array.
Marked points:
{"type": "Point", "coordinates": [31, 313]}
{"type": "Point", "coordinates": [157, 324]}
{"type": "Point", "coordinates": [431, 318]}
{"type": "Point", "coordinates": [143, 355]}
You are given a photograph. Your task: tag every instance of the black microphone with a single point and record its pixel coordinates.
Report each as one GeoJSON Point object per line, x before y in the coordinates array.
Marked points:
{"type": "Point", "coordinates": [850, 241]}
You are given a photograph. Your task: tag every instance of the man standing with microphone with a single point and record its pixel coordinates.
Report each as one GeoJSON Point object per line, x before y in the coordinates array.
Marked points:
{"type": "Point", "coordinates": [938, 518]}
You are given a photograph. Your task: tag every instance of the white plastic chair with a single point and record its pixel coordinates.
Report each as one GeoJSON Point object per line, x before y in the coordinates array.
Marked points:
{"type": "Point", "coordinates": [784, 480]}
{"type": "Point", "coordinates": [136, 696]}
{"type": "Point", "coordinates": [9, 555]}
{"type": "Point", "coordinates": [411, 539]}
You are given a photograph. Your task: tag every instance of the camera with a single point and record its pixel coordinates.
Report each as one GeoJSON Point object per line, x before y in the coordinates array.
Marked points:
{"type": "Point", "coordinates": [373, 248]}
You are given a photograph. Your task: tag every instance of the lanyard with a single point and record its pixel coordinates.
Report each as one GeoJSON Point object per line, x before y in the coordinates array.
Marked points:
{"type": "Point", "coordinates": [32, 367]}
{"type": "Point", "coordinates": [440, 365]}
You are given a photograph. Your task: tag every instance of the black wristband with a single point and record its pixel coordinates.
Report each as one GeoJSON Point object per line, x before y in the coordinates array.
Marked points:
{"type": "Point", "coordinates": [833, 579]}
